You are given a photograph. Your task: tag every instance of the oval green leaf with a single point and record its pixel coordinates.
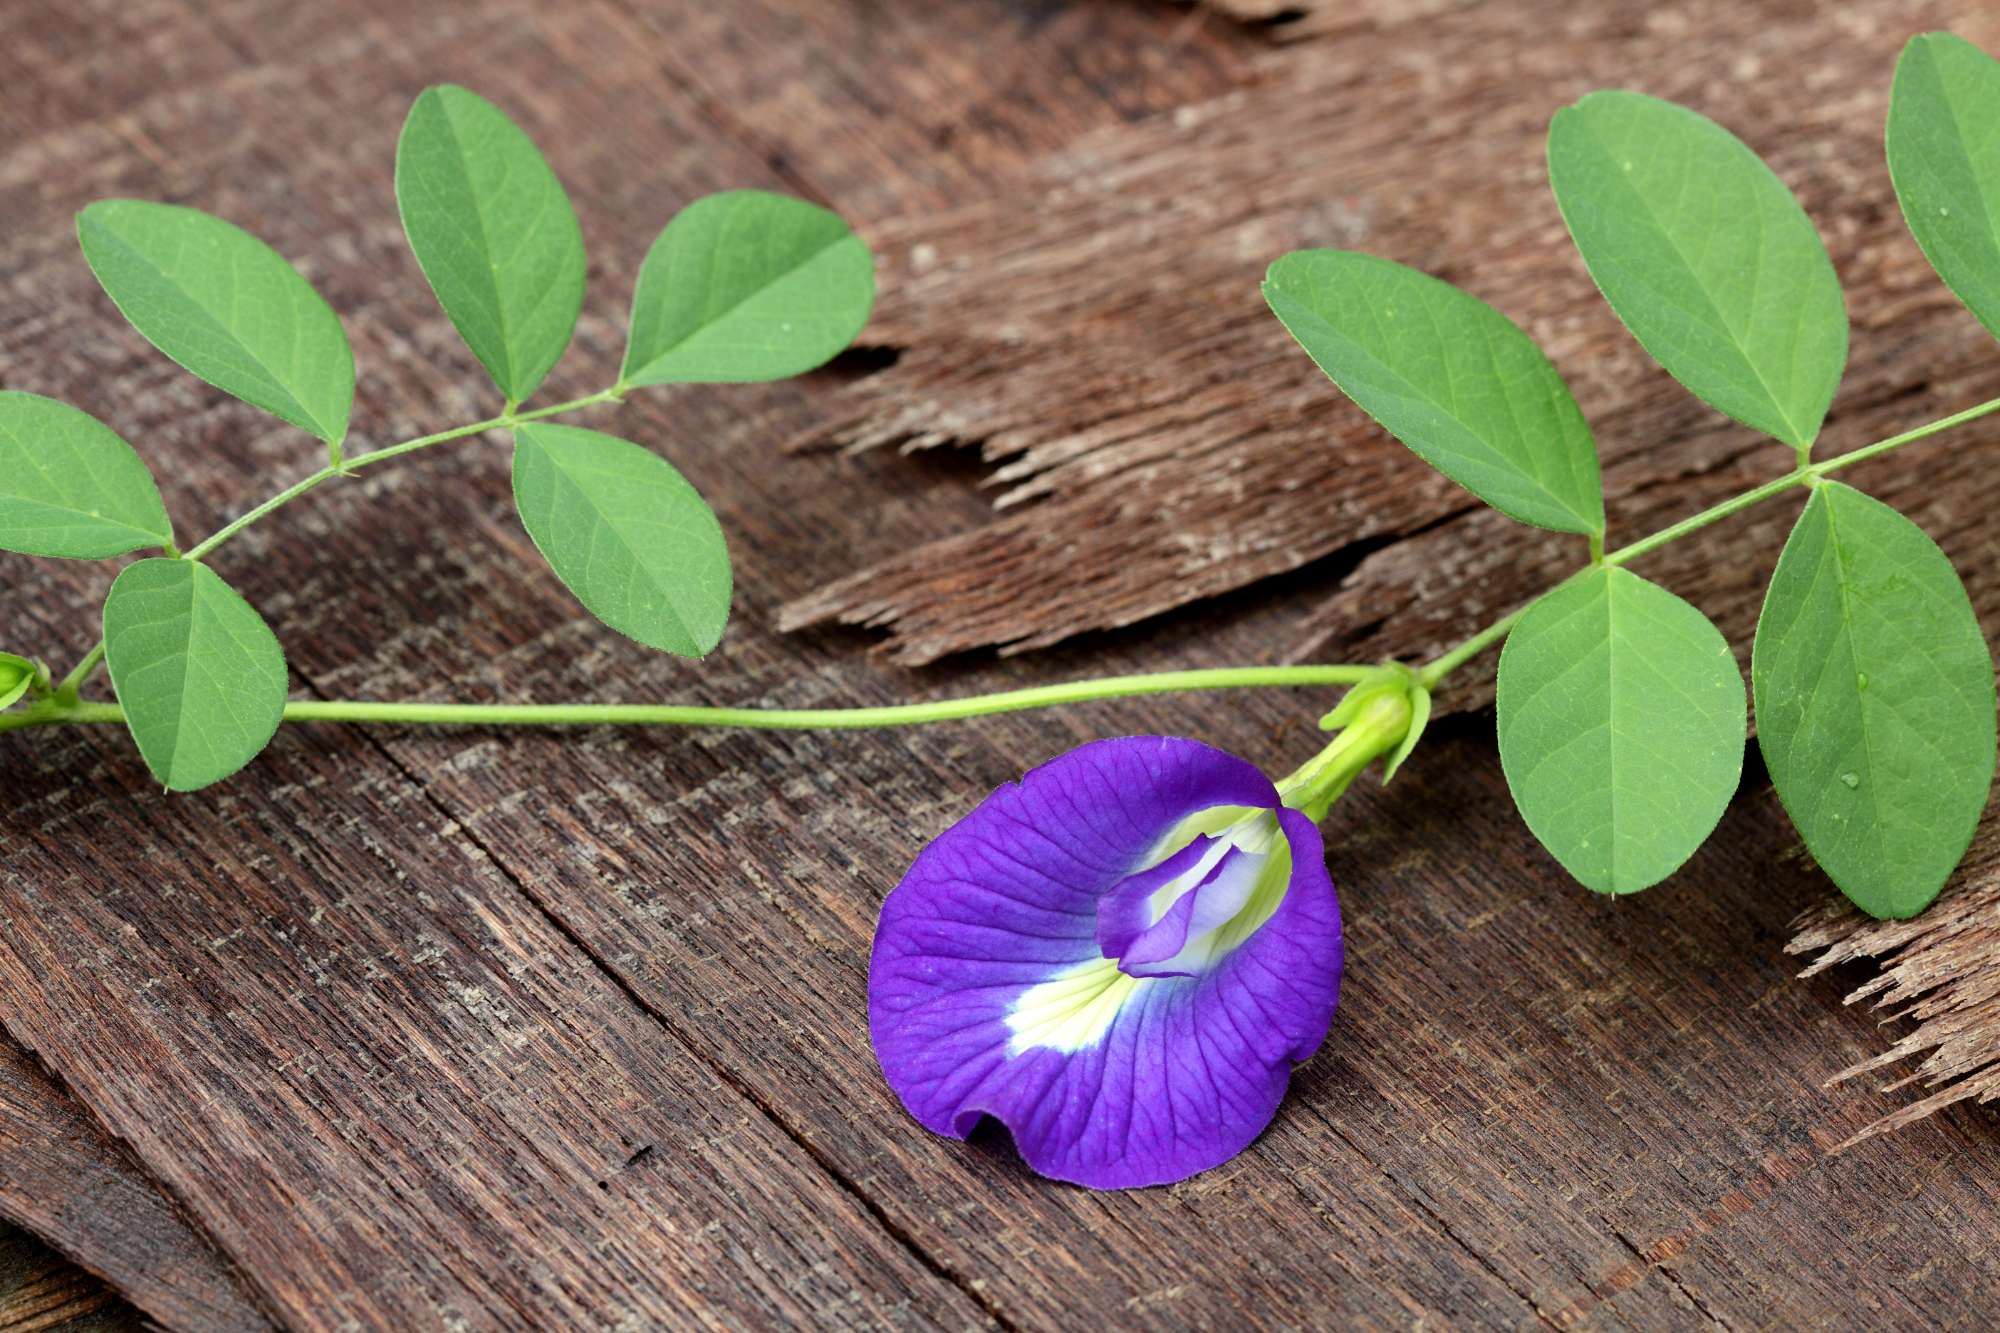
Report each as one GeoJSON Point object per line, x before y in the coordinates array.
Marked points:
{"type": "Point", "coordinates": [745, 286]}
{"type": "Point", "coordinates": [1874, 701]}
{"type": "Point", "coordinates": [1622, 725]}
{"type": "Point", "coordinates": [626, 533]}
{"type": "Point", "coordinates": [1449, 376]}
{"type": "Point", "coordinates": [493, 232]}
{"type": "Point", "coordinates": [1705, 255]}
{"type": "Point", "coordinates": [1944, 159]}
{"type": "Point", "coordinates": [17, 674]}
{"type": "Point", "coordinates": [226, 306]}
{"type": "Point", "coordinates": [199, 673]}
{"type": "Point", "coordinates": [69, 486]}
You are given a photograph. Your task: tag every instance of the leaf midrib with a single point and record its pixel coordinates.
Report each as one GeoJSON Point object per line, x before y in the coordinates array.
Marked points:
{"type": "Point", "coordinates": [270, 376]}
{"type": "Point", "coordinates": [490, 279]}
{"type": "Point", "coordinates": [1495, 457]}
{"type": "Point", "coordinates": [1735, 341]}
{"type": "Point", "coordinates": [1861, 712]}
{"type": "Point", "coordinates": [738, 304]}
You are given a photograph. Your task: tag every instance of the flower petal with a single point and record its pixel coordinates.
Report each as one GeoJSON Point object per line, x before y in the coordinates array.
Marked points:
{"type": "Point", "coordinates": [989, 993]}
{"type": "Point", "coordinates": [1126, 913]}
{"type": "Point", "coordinates": [1181, 943]}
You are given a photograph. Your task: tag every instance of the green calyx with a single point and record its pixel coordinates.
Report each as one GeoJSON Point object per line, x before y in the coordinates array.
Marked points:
{"type": "Point", "coordinates": [19, 677]}
{"type": "Point", "coordinates": [1382, 717]}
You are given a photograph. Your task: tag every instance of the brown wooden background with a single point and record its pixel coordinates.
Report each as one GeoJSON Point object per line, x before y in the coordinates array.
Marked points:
{"type": "Point", "coordinates": [471, 1030]}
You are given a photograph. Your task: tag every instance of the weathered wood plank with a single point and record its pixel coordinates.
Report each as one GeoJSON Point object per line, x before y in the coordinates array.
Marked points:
{"type": "Point", "coordinates": [731, 881]}
{"type": "Point", "coordinates": [387, 1085]}
{"type": "Point", "coordinates": [41, 1292]}
{"type": "Point", "coordinates": [1214, 471]}
{"type": "Point", "coordinates": [63, 1178]}
{"type": "Point", "coordinates": [404, 1000]}
{"type": "Point", "coordinates": [917, 108]}
{"type": "Point", "coordinates": [1157, 439]}
{"type": "Point", "coordinates": [386, 1155]}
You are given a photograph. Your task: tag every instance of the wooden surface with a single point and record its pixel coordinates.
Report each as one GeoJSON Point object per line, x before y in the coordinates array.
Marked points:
{"type": "Point", "coordinates": [420, 1030]}
{"type": "Point", "coordinates": [41, 1292]}
{"type": "Point", "coordinates": [63, 1177]}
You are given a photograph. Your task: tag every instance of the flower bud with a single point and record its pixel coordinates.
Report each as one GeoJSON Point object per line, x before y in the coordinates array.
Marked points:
{"type": "Point", "coordinates": [17, 676]}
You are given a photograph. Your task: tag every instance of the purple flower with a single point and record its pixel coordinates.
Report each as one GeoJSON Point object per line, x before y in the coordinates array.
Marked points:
{"type": "Point", "coordinates": [1119, 958]}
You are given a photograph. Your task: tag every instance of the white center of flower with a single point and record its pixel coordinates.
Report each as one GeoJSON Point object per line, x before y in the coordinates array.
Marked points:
{"type": "Point", "coordinates": [1071, 1010]}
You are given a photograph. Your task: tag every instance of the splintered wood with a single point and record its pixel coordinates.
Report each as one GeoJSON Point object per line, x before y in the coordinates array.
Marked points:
{"type": "Point", "coordinates": [1154, 438]}
{"type": "Point", "coordinates": [1940, 972]}
{"type": "Point", "coordinates": [412, 1028]}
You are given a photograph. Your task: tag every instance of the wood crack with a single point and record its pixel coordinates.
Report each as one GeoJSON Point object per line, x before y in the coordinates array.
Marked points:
{"type": "Point", "coordinates": [1701, 1306]}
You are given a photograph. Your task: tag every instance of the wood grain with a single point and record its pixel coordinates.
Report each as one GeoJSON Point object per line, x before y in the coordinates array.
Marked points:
{"type": "Point", "coordinates": [1154, 436]}
{"type": "Point", "coordinates": [493, 1030]}
{"type": "Point", "coordinates": [65, 1179]}
{"type": "Point", "coordinates": [40, 1292]}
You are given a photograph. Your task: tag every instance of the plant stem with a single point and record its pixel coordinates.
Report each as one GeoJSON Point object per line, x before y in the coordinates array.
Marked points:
{"type": "Point", "coordinates": [65, 708]}
{"type": "Point", "coordinates": [1806, 474]}
{"type": "Point", "coordinates": [76, 678]}
{"type": "Point", "coordinates": [66, 691]}
{"type": "Point", "coordinates": [780, 719]}
{"type": "Point", "coordinates": [1443, 665]}
{"type": "Point", "coordinates": [353, 465]}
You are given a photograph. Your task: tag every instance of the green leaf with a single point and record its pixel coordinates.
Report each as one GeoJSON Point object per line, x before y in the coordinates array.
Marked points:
{"type": "Point", "coordinates": [226, 306]}
{"type": "Point", "coordinates": [745, 286]}
{"type": "Point", "coordinates": [1944, 159]}
{"type": "Point", "coordinates": [1621, 727]}
{"type": "Point", "coordinates": [1874, 701]}
{"type": "Point", "coordinates": [17, 674]}
{"type": "Point", "coordinates": [70, 487]}
{"type": "Point", "coordinates": [626, 533]}
{"type": "Point", "coordinates": [200, 675]}
{"type": "Point", "coordinates": [493, 232]}
{"type": "Point", "coordinates": [1705, 255]}
{"type": "Point", "coordinates": [1449, 376]}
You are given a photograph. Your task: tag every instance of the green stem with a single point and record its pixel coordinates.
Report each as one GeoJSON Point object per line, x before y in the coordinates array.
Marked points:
{"type": "Point", "coordinates": [66, 691]}
{"type": "Point", "coordinates": [65, 708]}
{"type": "Point", "coordinates": [782, 719]}
{"type": "Point", "coordinates": [353, 465]}
{"type": "Point", "coordinates": [1713, 514]}
{"type": "Point", "coordinates": [1805, 475]}
{"type": "Point", "coordinates": [1443, 665]}
{"type": "Point", "coordinates": [76, 678]}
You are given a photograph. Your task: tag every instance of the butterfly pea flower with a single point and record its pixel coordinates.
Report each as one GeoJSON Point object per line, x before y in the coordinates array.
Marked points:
{"type": "Point", "coordinates": [1120, 957]}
